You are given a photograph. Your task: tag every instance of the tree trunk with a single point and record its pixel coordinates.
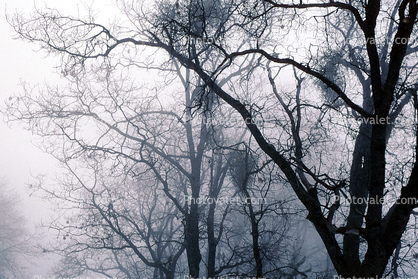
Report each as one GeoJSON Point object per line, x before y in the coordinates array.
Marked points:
{"type": "Point", "coordinates": [255, 236]}
{"type": "Point", "coordinates": [359, 188]}
{"type": "Point", "coordinates": [211, 242]}
{"type": "Point", "coordinates": [192, 240]}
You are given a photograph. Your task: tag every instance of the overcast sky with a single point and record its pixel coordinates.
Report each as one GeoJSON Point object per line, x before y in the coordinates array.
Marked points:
{"type": "Point", "coordinates": [20, 61]}
{"type": "Point", "coordinates": [23, 62]}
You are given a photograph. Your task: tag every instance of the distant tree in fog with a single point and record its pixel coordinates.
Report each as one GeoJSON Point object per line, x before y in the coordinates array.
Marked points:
{"type": "Point", "coordinates": [14, 243]}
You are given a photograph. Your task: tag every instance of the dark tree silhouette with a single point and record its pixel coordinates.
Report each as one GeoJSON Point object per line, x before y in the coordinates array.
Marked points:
{"type": "Point", "coordinates": [361, 66]}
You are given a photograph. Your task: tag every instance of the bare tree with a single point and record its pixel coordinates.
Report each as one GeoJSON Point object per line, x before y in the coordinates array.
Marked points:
{"type": "Point", "coordinates": [15, 242]}
{"type": "Point", "coordinates": [114, 226]}
{"type": "Point", "coordinates": [136, 139]}
{"type": "Point", "coordinates": [373, 82]}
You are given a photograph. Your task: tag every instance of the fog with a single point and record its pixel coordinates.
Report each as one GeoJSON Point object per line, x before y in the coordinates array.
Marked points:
{"type": "Point", "coordinates": [197, 139]}
{"type": "Point", "coordinates": [21, 159]}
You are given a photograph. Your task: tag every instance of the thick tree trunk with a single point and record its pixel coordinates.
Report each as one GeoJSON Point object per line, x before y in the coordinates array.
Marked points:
{"type": "Point", "coordinates": [359, 189]}
{"type": "Point", "coordinates": [255, 236]}
{"type": "Point", "coordinates": [211, 242]}
{"type": "Point", "coordinates": [192, 240]}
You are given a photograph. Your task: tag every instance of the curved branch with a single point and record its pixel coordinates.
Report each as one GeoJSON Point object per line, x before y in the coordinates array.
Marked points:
{"type": "Point", "coordinates": [331, 4]}
{"type": "Point", "coordinates": [308, 71]}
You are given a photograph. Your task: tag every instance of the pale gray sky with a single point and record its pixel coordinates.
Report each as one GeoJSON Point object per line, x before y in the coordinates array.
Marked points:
{"type": "Point", "coordinates": [20, 61]}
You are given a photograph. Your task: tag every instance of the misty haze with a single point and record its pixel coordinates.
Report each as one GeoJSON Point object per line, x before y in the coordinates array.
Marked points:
{"type": "Point", "coordinates": [209, 139]}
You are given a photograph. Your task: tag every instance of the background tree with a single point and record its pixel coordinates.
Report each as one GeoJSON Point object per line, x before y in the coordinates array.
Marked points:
{"type": "Point", "coordinates": [114, 226]}
{"type": "Point", "coordinates": [15, 242]}
{"type": "Point", "coordinates": [124, 203]}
